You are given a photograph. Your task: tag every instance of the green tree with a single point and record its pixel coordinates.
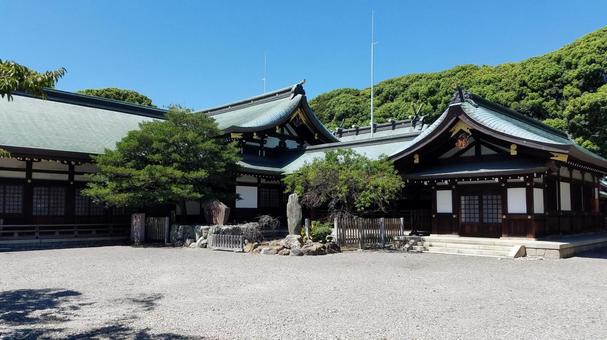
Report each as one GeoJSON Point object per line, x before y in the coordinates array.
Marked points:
{"type": "Point", "coordinates": [587, 117]}
{"type": "Point", "coordinates": [346, 182]}
{"type": "Point", "coordinates": [128, 96]}
{"type": "Point", "coordinates": [540, 87]}
{"type": "Point", "coordinates": [166, 162]}
{"type": "Point", "coordinates": [18, 78]}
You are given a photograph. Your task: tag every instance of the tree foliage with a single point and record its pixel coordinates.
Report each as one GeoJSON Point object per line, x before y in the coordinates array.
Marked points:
{"type": "Point", "coordinates": [549, 88]}
{"type": "Point", "coordinates": [166, 162]}
{"type": "Point", "coordinates": [18, 78]}
{"type": "Point", "coordinates": [346, 182]}
{"type": "Point", "coordinates": [128, 96]}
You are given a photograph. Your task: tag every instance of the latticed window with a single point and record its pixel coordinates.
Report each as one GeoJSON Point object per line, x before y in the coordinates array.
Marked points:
{"type": "Point", "coordinates": [470, 209]}
{"type": "Point", "coordinates": [492, 208]}
{"type": "Point", "coordinates": [81, 204]}
{"type": "Point", "coordinates": [56, 204]}
{"type": "Point", "coordinates": [84, 206]}
{"type": "Point", "coordinates": [40, 201]}
{"type": "Point", "coordinates": [48, 201]}
{"type": "Point", "coordinates": [11, 198]}
{"type": "Point", "coordinates": [269, 197]}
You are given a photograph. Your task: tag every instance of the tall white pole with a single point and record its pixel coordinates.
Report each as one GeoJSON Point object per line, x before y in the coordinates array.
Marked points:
{"type": "Point", "coordinates": [265, 69]}
{"type": "Point", "coordinates": [372, 65]}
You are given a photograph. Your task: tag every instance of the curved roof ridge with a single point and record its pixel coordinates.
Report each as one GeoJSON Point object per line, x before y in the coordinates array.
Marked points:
{"type": "Point", "coordinates": [266, 97]}
{"type": "Point", "coordinates": [477, 100]}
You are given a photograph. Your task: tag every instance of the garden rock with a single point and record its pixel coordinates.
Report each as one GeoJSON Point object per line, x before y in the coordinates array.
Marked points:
{"type": "Point", "coordinates": [180, 233]}
{"type": "Point", "coordinates": [201, 231]}
{"type": "Point", "coordinates": [294, 215]}
{"type": "Point", "coordinates": [249, 247]}
{"type": "Point", "coordinates": [314, 248]}
{"type": "Point", "coordinates": [284, 252]}
{"type": "Point", "coordinates": [201, 243]}
{"type": "Point", "coordinates": [332, 248]}
{"type": "Point", "coordinates": [268, 251]}
{"type": "Point", "coordinates": [216, 212]}
{"type": "Point", "coordinates": [296, 252]}
{"type": "Point", "coordinates": [292, 241]}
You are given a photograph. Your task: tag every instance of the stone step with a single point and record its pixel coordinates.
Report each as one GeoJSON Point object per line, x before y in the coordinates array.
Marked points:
{"type": "Point", "coordinates": [470, 252]}
{"type": "Point", "coordinates": [475, 240]}
{"type": "Point", "coordinates": [466, 246]}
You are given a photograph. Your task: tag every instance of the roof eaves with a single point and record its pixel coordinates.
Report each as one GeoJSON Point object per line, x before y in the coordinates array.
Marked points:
{"type": "Point", "coordinates": [79, 99]}
{"type": "Point", "coordinates": [263, 98]}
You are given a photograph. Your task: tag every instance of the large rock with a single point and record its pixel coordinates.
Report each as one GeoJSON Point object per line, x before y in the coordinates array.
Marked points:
{"type": "Point", "coordinates": [314, 248]}
{"type": "Point", "coordinates": [332, 248]}
{"type": "Point", "coordinates": [284, 252]}
{"type": "Point", "coordinates": [201, 231]}
{"type": "Point", "coordinates": [201, 243]}
{"type": "Point", "coordinates": [268, 251]}
{"type": "Point", "coordinates": [294, 215]}
{"type": "Point", "coordinates": [180, 233]}
{"type": "Point", "coordinates": [215, 212]}
{"type": "Point", "coordinates": [296, 252]}
{"type": "Point", "coordinates": [250, 247]}
{"type": "Point", "coordinates": [292, 241]}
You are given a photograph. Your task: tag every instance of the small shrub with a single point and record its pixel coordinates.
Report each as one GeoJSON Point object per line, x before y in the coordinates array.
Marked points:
{"type": "Point", "coordinates": [250, 231]}
{"type": "Point", "coordinates": [320, 231]}
{"type": "Point", "coordinates": [267, 222]}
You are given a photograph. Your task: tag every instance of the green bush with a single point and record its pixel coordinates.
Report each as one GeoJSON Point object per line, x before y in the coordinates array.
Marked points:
{"type": "Point", "coordinates": [320, 231]}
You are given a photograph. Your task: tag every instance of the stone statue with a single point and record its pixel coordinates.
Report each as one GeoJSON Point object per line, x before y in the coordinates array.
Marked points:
{"type": "Point", "coordinates": [294, 215]}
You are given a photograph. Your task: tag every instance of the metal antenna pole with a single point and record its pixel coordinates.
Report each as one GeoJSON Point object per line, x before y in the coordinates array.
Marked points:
{"type": "Point", "coordinates": [372, 66]}
{"type": "Point", "coordinates": [265, 68]}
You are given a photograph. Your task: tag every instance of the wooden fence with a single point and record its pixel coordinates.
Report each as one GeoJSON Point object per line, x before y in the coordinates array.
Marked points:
{"type": "Point", "coordinates": [62, 231]}
{"type": "Point", "coordinates": [226, 242]}
{"type": "Point", "coordinates": [367, 232]}
{"type": "Point", "coordinates": [157, 229]}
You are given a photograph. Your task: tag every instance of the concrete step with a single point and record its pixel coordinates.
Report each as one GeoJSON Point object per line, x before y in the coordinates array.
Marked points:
{"type": "Point", "coordinates": [469, 252]}
{"type": "Point", "coordinates": [474, 240]}
{"type": "Point", "coordinates": [466, 246]}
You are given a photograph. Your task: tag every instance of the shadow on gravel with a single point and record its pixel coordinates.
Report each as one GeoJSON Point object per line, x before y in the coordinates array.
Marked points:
{"type": "Point", "coordinates": [40, 314]}
{"type": "Point", "coordinates": [26, 306]}
{"type": "Point", "coordinates": [600, 253]}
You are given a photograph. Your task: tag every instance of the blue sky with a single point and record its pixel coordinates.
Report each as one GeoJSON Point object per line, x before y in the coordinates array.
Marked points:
{"type": "Point", "coordinates": [204, 53]}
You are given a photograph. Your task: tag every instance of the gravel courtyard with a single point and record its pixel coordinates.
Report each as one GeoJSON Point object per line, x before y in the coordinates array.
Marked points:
{"type": "Point", "coordinates": [125, 292]}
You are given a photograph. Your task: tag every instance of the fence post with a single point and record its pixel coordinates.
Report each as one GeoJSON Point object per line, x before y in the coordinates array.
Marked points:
{"type": "Point", "coordinates": [360, 233]}
{"type": "Point", "coordinates": [335, 230]}
{"type": "Point", "coordinates": [382, 232]}
{"type": "Point", "coordinates": [307, 227]}
{"type": "Point", "coordinates": [167, 230]}
{"type": "Point", "coordinates": [402, 226]}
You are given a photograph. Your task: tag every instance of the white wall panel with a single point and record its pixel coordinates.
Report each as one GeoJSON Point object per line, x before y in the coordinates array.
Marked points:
{"type": "Point", "coordinates": [517, 201]}
{"type": "Point", "coordinates": [444, 201]}
{"type": "Point", "coordinates": [248, 197]}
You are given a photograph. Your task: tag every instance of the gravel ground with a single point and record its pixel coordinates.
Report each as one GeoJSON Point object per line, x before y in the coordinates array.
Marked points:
{"type": "Point", "coordinates": [125, 292]}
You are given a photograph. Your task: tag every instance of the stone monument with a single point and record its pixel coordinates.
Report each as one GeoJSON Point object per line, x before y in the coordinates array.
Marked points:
{"type": "Point", "coordinates": [294, 214]}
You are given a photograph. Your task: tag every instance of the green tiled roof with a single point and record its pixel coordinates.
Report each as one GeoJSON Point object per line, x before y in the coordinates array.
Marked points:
{"type": "Point", "coordinates": [29, 122]}
{"type": "Point", "coordinates": [372, 150]}
{"type": "Point", "coordinates": [266, 114]}
{"type": "Point", "coordinates": [267, 111]}
{"type": "Point", "coordinates": [512, 125]}
{"type": "Point", "coordinates": [508, 124]}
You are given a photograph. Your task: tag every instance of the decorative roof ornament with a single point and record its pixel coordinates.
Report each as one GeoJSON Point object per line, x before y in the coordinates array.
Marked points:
{"type": "Point", "coordinates": [462, 95]}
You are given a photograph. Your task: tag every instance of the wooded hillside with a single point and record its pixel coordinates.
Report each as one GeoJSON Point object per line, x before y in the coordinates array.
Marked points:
{"type": "Point", "coordinates": [566, 89]}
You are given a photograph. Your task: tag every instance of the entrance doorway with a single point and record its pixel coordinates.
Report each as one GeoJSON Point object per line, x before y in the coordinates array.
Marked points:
{"type": "Point", "coordinates": [481, 215]}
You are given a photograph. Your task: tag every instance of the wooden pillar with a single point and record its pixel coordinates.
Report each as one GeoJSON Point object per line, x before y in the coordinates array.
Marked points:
{"type": "Point", "coordinates": [70, 195]}
{"type": "Point", "coordinates": [531, 227]}
{"type": "Point", "coordinates": [28, 190]}
{"type": "Point", "coordinates": [558, 198]}
{"type": "Point", "coordinates": [456, 203]}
